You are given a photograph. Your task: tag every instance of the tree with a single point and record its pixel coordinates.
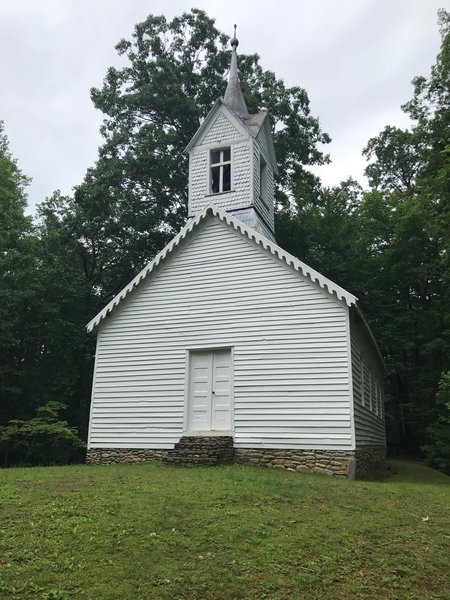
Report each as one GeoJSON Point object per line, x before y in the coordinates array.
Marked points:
{"type": "Point", "coordinates": [17, 261]}
{"type": "Point", "coordinates": [67, 304]}
{"type": "Point", "coordinates": [45, 301]}
{"type": "Point", "coordinates": [42, 440]}
{"type": "Point", "coordinates": [134, 199]}
{"type": "Point", "coordinates": [437, 450]}
{"type": "Point", "coordinates": [399, 156]}
{"type": "Point", "coordinates": [323, 230]}
{"type": "Point", "coordinates": [390, 246]}
{"type": "Point", "coordinates": [407, 247]}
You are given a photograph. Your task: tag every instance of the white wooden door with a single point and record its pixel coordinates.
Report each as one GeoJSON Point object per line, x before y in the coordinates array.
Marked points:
{"type": "Point", "coordinates": [209, 394]}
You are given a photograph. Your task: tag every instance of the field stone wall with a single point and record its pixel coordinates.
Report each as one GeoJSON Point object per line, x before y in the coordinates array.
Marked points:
{"type": "Point", "coordinates": [328, 462]}
{"type": "Point", "coordinates": [114, 456]}
{"type": "Point", "coordinates": [363, 463]}
{"type": "Point", "coordinates": [370, 462]}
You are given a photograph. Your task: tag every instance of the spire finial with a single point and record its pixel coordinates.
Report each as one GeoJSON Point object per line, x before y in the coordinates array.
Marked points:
{"type": "Point", "coordinates": [234, 43]}
{"type": "Point", "coordinates": [233, 95]}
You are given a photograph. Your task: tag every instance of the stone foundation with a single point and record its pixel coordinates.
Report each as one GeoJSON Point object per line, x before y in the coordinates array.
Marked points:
{"type": "Point", "coordinates": [114, 456]}
{"type": "Point", "coordinates": [370, 462]}
{"type": "Point", "coordinates": [328, 462]}
{"type": "Point", "coordinates": [365, 463]}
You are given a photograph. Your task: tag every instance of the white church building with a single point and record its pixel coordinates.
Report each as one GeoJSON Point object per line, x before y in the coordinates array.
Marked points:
{"type": "Point", "coordinates": [227, 348]}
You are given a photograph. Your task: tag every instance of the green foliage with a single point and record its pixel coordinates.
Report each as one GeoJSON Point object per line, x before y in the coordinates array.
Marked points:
{"type": "Point", "coordinates": [437, 450]}
{"type": "Point", "coordinates": [402, 293]}
{"type": "Point", "coordinates": [222, 533]}
{"type": "Point", "coordinates": [17, 292]}
{"type": "Point", "coordinates": [399, 156]}
{"type": "Point", "coordinates": [43, 440]}
{"type": "Point", "coordinates": [322, 231]}
{"type": "Point", "coordinates": [13, 182]}
{"type": "Point", "coordinates": [410, 249]}
{"type": "Point", "coordinates": [134, 200]}
{"type": "Point", "coordinates": [69, 303]}
{"type": "Point", "coordinates": [45, 302]}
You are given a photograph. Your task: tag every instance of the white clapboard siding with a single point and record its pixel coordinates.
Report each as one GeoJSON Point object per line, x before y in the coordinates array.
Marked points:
{"type": "Point", "coordinates": [219, 290]}
{"type": "Point", "coordinates": [367, 374]}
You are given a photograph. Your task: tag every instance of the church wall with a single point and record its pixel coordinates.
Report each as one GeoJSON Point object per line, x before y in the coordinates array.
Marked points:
{"type": "Point", "coordinates": [289, 340]}
{"type": "Point", "coordinates": [368, 393]}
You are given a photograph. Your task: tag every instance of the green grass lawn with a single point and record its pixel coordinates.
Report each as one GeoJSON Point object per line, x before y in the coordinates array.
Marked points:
{"type": "Point", "coordinates": [151, 531]}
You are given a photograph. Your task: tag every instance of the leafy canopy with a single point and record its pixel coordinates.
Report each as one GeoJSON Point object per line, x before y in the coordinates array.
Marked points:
{"type": "Point", "coordinates": [134, 199]}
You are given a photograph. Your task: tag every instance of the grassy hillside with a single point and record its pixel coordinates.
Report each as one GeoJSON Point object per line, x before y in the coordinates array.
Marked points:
{"type": "Point", "coordinates": [150, 531]}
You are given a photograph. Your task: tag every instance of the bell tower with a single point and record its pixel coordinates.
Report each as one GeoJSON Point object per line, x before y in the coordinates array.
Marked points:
{"type": "Point", "coordinates": [232, 159]}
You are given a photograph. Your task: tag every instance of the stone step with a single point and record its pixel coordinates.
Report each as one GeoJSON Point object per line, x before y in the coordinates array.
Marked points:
{"type": "Point", "coordinates": [198, 450]}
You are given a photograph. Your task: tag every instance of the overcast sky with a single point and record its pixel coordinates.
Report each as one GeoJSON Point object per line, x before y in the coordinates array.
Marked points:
{"type": "Point", "coordinates": [355, 58]}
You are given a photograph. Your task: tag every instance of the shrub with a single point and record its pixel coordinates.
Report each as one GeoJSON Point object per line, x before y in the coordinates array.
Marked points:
{"type": "Point", "coordinates": [438, 450]}
{"type": "Point", "coordinates": [43, 440]}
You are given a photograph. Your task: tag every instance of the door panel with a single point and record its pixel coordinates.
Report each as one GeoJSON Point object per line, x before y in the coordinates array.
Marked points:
{"type": "Point", "coordinates": [221, 392]}
{"type": "Point", "coordinates": [200, 390]}
{"type": "Point", "coordinates": [210, 393]}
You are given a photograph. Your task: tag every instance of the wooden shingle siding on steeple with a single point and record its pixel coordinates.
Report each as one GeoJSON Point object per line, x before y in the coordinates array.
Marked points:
{"type": "Point", "coordinates": [266, 210]}
{"type": "Point", "coordinates": [221, 131]}
{"type": "Point", "coordinates": [240, 195]}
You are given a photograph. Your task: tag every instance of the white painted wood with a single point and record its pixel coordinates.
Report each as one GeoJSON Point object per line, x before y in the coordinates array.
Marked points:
{"type": "Point", "coordinates": [285, 258]}
{"type": "Point", "coordinates": [210, 392]}
{"type": "Point", "coordinates": [200, 391]}
{"type": "Point", "coordinates": [265, 209]}
{"type": "Point", "coordinates": [349, 373]}
{"type": "Point", "coordinates": [221, 290]}
{"type": "Point", "coordinates": [221, 392]}
{"type": "Point", "coordinates": [367, 371]}
{"type": "Point", "coordinates": [225, 332]}
{"type": "Point", "coordinates": [93, 392]}
{"type": "Point", "coordinates": [221, 130]}
{"type": "Point", "coordinates": [244, 199]}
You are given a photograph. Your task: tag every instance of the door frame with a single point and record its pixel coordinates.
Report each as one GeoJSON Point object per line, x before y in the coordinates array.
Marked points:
{"type": "Point", "coordinates": [210, 432]}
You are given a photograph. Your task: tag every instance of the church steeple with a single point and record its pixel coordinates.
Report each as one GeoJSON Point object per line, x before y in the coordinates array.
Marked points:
{"type": "Point", "coordinates": [234, 98]}
{"type": "Point", "coordinates": [232, 160]}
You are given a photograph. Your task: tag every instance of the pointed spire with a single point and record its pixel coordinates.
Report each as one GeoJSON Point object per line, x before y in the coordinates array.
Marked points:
{"type": "Point", "coordinates": [233, 95]}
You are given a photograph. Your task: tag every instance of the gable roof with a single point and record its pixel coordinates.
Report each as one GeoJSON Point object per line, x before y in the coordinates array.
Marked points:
{"type": "Point", "coordinates": [209, 119]}
{"type": "Point", "coordinates": [251, 124]}
{"type": "Point", "coordinates": [272, 249]}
